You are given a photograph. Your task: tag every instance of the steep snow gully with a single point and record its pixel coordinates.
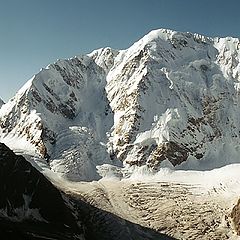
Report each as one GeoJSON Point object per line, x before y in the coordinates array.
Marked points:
{"type": "Point", "coordinates": [158, 123]}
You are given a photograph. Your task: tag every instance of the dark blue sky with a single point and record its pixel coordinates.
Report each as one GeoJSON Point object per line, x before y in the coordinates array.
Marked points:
{"type": "Point", "coordinates": [34, 33]}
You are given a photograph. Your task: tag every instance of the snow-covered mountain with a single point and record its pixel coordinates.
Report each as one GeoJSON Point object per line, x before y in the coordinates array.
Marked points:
{"type": "Point", "coordinates": [62, 113]}
{"type": "Point", "coordinates": [170, 99]}
{"type": "Point", "coordinates": [175, 97]}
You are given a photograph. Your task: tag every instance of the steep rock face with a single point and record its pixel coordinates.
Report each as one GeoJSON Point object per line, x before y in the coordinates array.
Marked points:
{"type": "Point", "coordinates": [170, 99]}
{"type": "Point", "coordinates": [1, 102]}
{"type": "Point", "coordinates": [175, 98]}
{"type": "Point", "coordinates": [104, 57]}
{"type": "Point", "coordinates": [44, 114]}
{"type": "Point", "coordinates": [30, 204]}
{"type": "Point", "coordinates": [235, 214]}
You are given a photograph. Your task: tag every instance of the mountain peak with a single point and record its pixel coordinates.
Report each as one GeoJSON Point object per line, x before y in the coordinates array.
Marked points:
{"type": "Point", "coordinates": [167, 99]}
{"type": "Point", "coordinates": [170, 35]}
{"type": "Point", "coordinates": [104, 57]}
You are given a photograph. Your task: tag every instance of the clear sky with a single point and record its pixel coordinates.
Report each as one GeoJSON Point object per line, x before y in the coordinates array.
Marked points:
{"type": "Point", "coordinates": [34, 33]}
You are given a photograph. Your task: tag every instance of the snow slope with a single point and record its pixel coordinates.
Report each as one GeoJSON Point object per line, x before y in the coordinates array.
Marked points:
{"type": "Point", "coordinates": [171, 99]}
{"type": "Point", "coordinates": [180, 204]}
{"type": "Point", "coordinates": [62, 113]}
{"type": "Point", "coordinates": [175, 98]}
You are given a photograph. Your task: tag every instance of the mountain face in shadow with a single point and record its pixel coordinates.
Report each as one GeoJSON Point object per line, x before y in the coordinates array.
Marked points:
{"type": "Point", "coordinates": [101, 224]}
{"type": "Point", "coordinates": [31, 207]}
{"type": "Point", "coordinates": [1, 102]}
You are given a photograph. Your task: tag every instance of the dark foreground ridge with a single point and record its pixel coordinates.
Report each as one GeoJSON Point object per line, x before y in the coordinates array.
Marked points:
{"type": "Point", "coordinates": [32, 208]}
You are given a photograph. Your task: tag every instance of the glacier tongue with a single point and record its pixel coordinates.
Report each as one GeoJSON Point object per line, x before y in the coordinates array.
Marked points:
{"type": "Point", "coordinates": [171, 99]}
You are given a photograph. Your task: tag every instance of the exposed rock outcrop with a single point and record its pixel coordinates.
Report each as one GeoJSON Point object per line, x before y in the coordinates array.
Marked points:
{"type": "Point", "coordinates": [171, 98]}
{"type": "Point", "coordinates": [235, 214]}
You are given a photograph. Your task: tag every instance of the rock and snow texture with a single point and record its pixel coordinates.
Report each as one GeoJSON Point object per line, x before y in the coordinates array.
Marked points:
{"type": "Point", "coordinates": [171, 99]}
{"type": "Point", "coordinates": [235, 214]}
{"type": "Point", "coordinates": [179, 204]}
{"type": "Point", "coordinates": [62, 113]}
{"type": "Point", "coordinates": [175, 97]}
{"type": "Point", "coordinates": [1, 102]}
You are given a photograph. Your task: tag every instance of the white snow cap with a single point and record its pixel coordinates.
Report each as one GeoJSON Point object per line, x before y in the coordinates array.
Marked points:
{"type": "Point", "coordinates": [171, 99]}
